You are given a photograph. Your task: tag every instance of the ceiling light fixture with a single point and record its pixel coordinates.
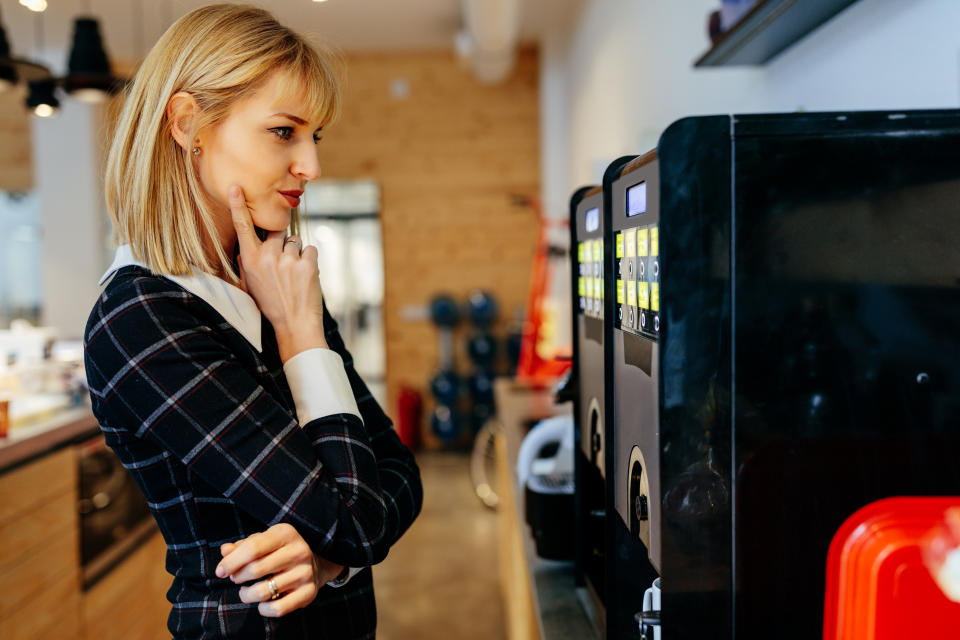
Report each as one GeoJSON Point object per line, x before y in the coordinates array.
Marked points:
{"type": "Point", "coordinates": [88, 71]}
{"type": "Point", "coordinates": [8, 74]}
{"type": "Point", "coordinates": [12, 70]}
{"type": "Point", "coordinates": [35, 5]}
{"type": "Point", "coordinates": [41, 99]}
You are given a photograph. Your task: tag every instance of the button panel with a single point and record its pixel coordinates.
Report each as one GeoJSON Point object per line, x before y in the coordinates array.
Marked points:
{"type": "Point", "coordinates": [590, 281]}
{"type": "Point", "coordinates": [638, 280]}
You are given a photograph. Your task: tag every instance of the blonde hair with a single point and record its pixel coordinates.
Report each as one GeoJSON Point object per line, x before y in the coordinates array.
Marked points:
{"type": "Point", "coordinates": [219, 54]}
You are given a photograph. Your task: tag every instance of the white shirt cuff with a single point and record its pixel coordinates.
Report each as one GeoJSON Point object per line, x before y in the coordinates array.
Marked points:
{"type": "Point", "coordinates": [319, 385]}
{"type": "Point", "coordinates": [339, 583]}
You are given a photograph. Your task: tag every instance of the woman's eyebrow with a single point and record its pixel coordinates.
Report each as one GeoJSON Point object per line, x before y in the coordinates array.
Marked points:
{"type": "Point", "coordinates": [290, 117]}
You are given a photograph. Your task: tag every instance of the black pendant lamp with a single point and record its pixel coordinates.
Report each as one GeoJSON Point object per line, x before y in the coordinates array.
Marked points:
{"type": "Point", "coordinates": [8, 73]}
{"type": "Point", "coordinates": [12, 70]}
{"type": "Point", "coordinates": [41, 99]}
{"type": "Point", "coordinates": [88, 71]}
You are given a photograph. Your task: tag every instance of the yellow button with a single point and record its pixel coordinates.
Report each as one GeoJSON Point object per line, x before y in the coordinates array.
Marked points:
{"type": "Point", "coordinates": [619, 291]}
{"type": "Point", "coordinates": [597, 250]}
{"type": "Point", "coordinates": [655, 296]}
{"type": "Point", "coordinates": [644, 301]}
{"type": "Point", "coordinates": [588, 285]}
{"type": "Point", "coordinates": [580, 252]}
{"type": "Point", "coordinates": [598, 288]}
{"type": "Point", "coordinates": [631, 293]}
{"type": "Point", "coordinates": [630, 245]}
{"type": "Point", "coordinates": [581, 288]}
{"type": "Point", "coordinates": [654, 241]}
{"type": "Point", "coordinates": [642, 242]}
{"type": "Point", "coordinates": [619, 244]}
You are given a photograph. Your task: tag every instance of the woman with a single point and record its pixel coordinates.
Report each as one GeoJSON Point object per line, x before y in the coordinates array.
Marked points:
{"type": "Point", "coordinates": [223, 384]}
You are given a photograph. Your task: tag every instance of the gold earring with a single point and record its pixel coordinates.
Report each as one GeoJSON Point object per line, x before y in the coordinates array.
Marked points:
{"type": "Point", "coordinates": [196, 151]}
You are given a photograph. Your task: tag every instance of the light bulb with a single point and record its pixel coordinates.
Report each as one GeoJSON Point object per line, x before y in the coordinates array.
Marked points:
{"type": "Point", "coordinates": [44, 111]}
{"type": "Point", "coordinates": [35, 5]}
{"type": "Point", "coordinates": [90, 96]}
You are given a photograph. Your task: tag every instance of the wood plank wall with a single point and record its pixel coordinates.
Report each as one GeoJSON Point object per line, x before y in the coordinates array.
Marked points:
{"type": "Point", "coordinates": [449, 158]}
{"type": "Point", "coordinates": [16, 171]}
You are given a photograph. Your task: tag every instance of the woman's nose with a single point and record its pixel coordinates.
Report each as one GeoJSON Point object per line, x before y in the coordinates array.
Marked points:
{"type": "Point", "coordinates": [307, 163]}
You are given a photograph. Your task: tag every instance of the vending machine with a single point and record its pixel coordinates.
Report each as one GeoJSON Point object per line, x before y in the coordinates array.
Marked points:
{"type": "Point", "coordinates": [586, 229]}
{"type": "Point", "coordinates": [785, 352]}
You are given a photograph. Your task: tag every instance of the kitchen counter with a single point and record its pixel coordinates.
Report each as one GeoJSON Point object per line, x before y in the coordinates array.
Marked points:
{"type": "Point", "coordinates": [540, 596]}
{"type": "Point", "coordinates": [30, 441]}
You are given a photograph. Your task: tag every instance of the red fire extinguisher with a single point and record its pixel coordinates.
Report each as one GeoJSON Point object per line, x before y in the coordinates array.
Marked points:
{"type": "Point", "coordinates": [409, 415]}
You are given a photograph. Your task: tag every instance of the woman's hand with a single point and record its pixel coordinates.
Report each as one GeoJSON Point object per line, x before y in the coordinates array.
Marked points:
{"type": "Point", "coordinates": [282, 280]}
{"type": "Point", "coordinates": [280, 555]}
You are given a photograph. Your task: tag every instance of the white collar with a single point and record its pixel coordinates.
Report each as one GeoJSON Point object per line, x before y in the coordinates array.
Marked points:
{"type": "Point", "coordinates": [235, 305]}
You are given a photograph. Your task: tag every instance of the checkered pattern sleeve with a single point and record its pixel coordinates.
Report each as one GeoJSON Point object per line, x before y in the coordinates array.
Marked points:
{"type": "Point", "coordinates": [159, 371]}
{"type": "Point", "coordinates": [397, 468]}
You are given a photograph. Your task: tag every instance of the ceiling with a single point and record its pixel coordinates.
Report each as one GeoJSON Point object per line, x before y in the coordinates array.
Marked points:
{"type": "Point", "coordinates": [129, 27]}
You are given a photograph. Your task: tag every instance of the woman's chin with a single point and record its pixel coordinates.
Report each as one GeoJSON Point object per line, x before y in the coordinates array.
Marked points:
{"type": "Point", "coordinates": [274, 221]}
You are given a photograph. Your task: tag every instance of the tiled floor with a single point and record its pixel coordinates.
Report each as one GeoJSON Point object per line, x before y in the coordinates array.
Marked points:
{"type": "Point", "coordinates": [440, 580]}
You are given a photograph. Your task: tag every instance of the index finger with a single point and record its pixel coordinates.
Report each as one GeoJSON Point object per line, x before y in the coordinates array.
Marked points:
{"type": "Point", "coordinates": [245, 552]}
{"type": "Point", "coordinates": [242, 222]}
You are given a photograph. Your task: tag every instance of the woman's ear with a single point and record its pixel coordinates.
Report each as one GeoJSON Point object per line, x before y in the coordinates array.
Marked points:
{"type": "Point", "coordinates": [181, 110]}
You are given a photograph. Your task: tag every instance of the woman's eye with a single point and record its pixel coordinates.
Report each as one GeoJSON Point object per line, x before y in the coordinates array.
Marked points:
{"type": "Point", "coordinates": [283, 133]}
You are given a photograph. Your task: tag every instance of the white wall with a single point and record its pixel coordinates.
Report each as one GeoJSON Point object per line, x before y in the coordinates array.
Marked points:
{"type": "Point", "coordinates": [625, 71]}
{"type": "Point", "coordinates": [66, 169]}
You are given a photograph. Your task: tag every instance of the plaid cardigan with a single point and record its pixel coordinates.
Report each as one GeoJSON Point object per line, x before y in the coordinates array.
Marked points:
{"type": "Point", "coordinates": [207, 426]}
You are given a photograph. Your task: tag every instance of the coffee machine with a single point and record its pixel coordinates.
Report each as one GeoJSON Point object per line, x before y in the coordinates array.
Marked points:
{"type": "Point", "coordinates": [586, 231]}
{"type": "Point", "coordinates": [784, 352]}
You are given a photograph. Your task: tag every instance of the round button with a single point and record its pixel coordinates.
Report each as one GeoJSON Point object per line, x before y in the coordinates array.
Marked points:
{"type": "Point", "coordinates": [656, 323]}
{"type": "Point", "coordinates": [656, 268]}
{"type": "Point", "coordinates": [642, 269]}
{"type": "Point", "coordinates": [643, 321]}
{"type": "Point", "coordinates": [630, 268]}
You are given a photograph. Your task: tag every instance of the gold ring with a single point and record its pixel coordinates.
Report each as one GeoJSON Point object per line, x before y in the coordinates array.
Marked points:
{"type": "Point", "coordinates": [294, 241]}
{"type": "Point", "coordinates": [274, 592]}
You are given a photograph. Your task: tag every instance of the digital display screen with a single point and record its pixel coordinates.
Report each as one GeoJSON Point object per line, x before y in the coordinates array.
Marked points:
{"type": "Point", "coordinates": [637, 200]}
{"type": "Point", "coordinates": [593, 219]}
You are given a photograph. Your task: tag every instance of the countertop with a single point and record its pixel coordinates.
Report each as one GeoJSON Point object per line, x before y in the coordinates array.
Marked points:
{"type": "Point", "coordinates": [559, 611]}
{"type": "Point", "coordinates": [28, 442]}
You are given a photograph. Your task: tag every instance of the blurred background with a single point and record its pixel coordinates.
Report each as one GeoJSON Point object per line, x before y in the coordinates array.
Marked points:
{"type": "Point", "coordinates": [441, 223]}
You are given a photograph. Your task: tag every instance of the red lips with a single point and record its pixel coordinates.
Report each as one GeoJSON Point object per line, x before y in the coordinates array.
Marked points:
{"type": "Point", "coordinates": [292, 197]}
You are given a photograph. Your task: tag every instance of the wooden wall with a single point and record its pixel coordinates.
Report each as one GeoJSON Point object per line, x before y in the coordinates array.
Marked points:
{"type": "Point", "coordinates": [449, 157]}
{"type": "Point", "coordinates": [16, 171]}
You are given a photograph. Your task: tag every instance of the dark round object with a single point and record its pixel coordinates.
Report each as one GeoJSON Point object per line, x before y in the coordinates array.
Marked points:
{"type": "Point", "coordinates": [444, 311]}
{"type": "Point", "coordinates": [445, 423]}
{"type": "Point", "coordinates": [481, 308]}
{"type": "Point", "coordinates": [445, 386]}
{"type": "Point", "coordinates": [480, 413]}
{"type": "Point", "coordinates": [480, 385]}
{"type": "Point", "coordinates": [482, 349]}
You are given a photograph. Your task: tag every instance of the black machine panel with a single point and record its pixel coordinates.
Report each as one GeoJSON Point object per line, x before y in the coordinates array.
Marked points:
{"type": "Point", "coordinates": [586, 228]}
{"type": "Point", "coordinates": [799, 360]}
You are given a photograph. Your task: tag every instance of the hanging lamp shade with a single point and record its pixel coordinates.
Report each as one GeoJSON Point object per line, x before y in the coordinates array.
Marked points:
{"type": "Point", "coordinates": [41, 99]}
{"type": "Point", "coordinates": [12, 70]}
{"type": "Point", "coordinates": [8, 73]}
{"type": "Point", "coordinates": [88, 71]}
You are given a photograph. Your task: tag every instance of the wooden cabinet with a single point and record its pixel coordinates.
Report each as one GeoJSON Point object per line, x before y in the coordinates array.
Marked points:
{"type": "Point", "coordinates": [39, 549]}
{"type": "Point", "coordinates": [129, 603]}
{"type": "Point", "coordinates": [40, 582]}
